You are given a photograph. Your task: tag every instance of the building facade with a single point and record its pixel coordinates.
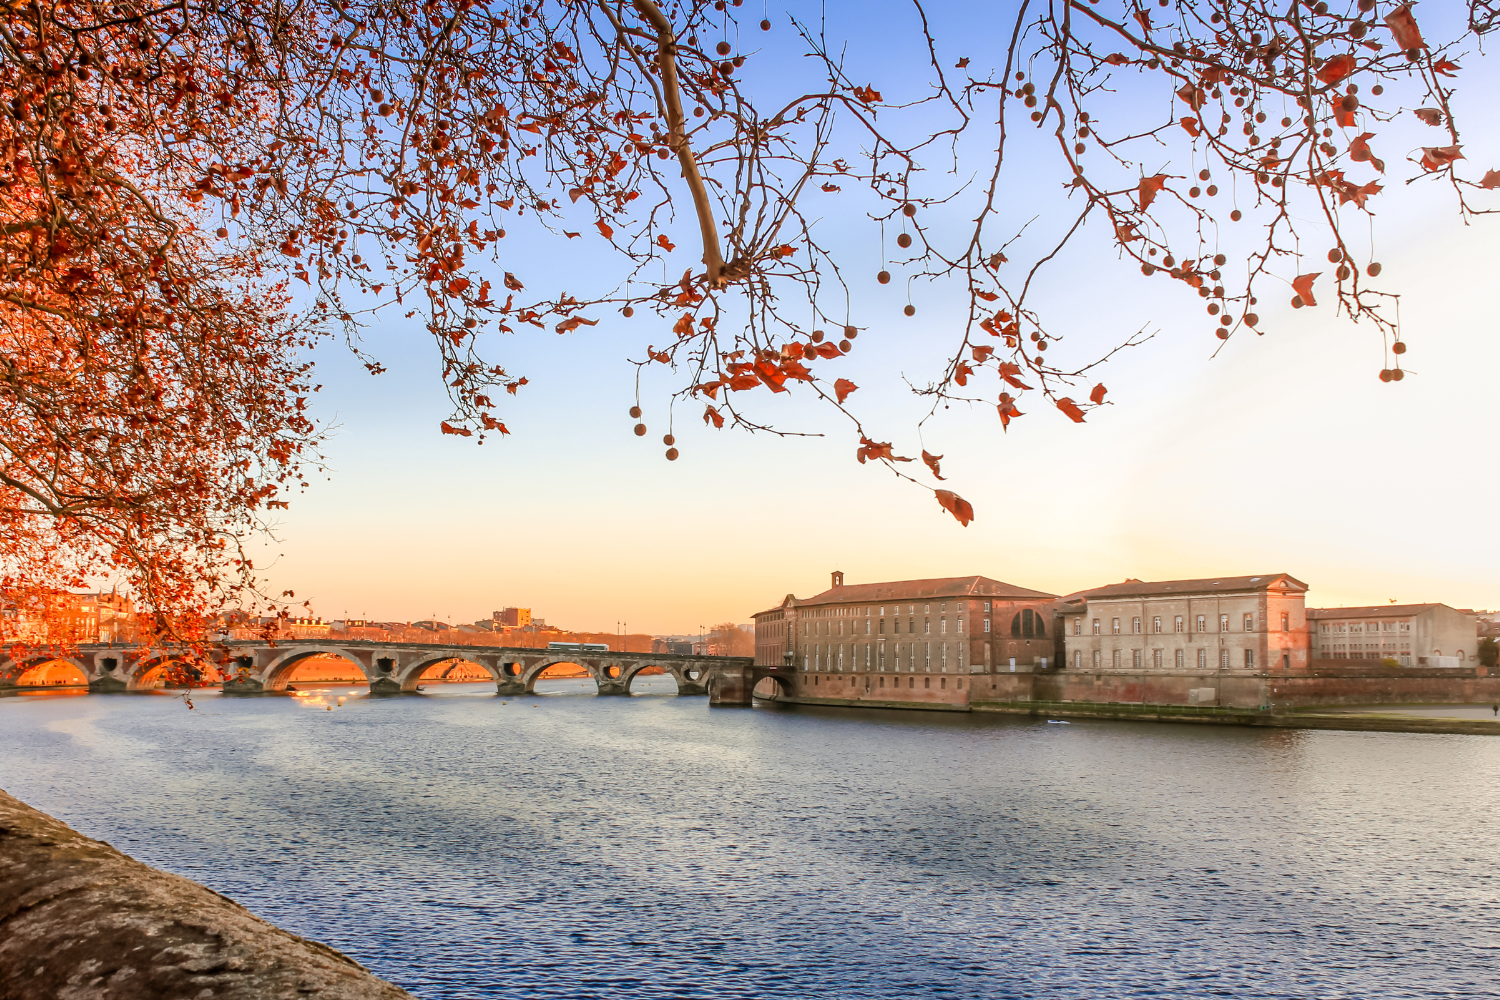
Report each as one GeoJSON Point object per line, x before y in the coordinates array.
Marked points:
{"type": "Point", "coordinates": [904, 641]}
{"type": "Point", "coordinates": [1414, 635]}
{"type": "Point", "coordinates": [1247, 623]}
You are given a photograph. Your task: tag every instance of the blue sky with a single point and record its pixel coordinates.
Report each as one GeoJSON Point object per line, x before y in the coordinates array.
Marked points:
{"type": "Point", "coordinates": [1282, 453]}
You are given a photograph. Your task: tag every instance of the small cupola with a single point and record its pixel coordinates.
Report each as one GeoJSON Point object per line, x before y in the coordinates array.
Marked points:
{"type": "Point", "coordinates": [838, 578]}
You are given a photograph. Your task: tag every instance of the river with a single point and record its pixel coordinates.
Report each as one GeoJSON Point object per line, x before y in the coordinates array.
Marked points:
{"type": "Point", "coordinates": [571, 846]}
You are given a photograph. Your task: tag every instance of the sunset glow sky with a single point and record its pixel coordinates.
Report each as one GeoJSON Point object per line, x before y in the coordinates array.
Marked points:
{"type": "Point", "coordinates": [1284, 453]}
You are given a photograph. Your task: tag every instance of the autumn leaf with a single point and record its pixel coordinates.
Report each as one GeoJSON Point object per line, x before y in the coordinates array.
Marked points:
{"type": "Point", "coordinates": [962, 372]}
{"type": "Point", "coordinates": [982, 353]}
{"type": "Point", "coordinates": [1445, 67]}
{"type": "Point", "coordinates": [1303, 284]}
{"type": "Point", "coordinates": [1071, 409]}
{"type": "Point", "coordinates": [868, 94]}
{"type": "Point", "coordinates": [1404, 27]}
{"type": "Point", "coordinates": [1117, 59]}
{"type": "Point", "coordinates": [1359, 151]}
{"type": "Point", "coordinates": [1438, 157]}
{"type": "Point", "coordinates": [873, 450]}
{"type": "Point", "coordinates": [1008, 371]}
{"type": "Point", "coordinates": [842, 388]}
{"type": "Point", "coordinates": [962, 63]}
{"type": "Point", "coordinates": [512, 282]}
{"type": "Point", "coordinates": [457, 286]}
{"type": "Point", "coordinates": [1189, 125]}
{"type": "Point", "coordinates": [1194, 97]}
{"type": "Point", "coordinates": [955, 505]}
{"type": "Point", "coordinates": [665, 243]}
{"type": "Point", "coordinates": [1148, 189]}
{"type": "Point", "coordinates": [1491, 179]}
{"type": "Point", "coordinates": [574, 322]}
{"type": "Point", "coordinates": [1336, 68]}
{"type": "Point", "coordinates": [460, 431]}
{"type": "Point", "coordinates": [605, 229]}
{"type": "Point", "coordinates": [932, 463]}
{"type": "Point", "coordinates": [1431, 116]}
{"type": "Point", "coordinates": [1097, 396]}
{"type": "Point", "coordinates": [711, 415]}
{"type": "Point", "coordinates": [830, 187]}
{"type": "Point", "coordinates": [1007, 408]}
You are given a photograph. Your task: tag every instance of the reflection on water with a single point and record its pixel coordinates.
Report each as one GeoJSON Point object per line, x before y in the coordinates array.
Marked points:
{"type": "Point", "coordinates": [563, 845]}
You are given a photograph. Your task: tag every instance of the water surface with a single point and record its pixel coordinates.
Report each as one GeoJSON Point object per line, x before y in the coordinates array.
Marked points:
{"type": "Point", "coordinates": [572, 846]}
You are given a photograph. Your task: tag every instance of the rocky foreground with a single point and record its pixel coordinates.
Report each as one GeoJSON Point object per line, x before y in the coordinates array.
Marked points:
{"type": "Point", "coordinates": [81, 921]}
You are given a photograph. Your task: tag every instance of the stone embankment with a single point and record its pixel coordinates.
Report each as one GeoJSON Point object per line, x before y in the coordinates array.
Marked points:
{"type": "Point", "coordinates": [1373, 720]}
{"type": "Point", "coordinates": [81, 921]}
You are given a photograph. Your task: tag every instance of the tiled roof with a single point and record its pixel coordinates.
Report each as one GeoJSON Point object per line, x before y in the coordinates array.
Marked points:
{"type": "Point", "coordinates": [1378, 611]}
{"type": "Point", "coordinates": [1139, 588]}
{"type": "Point", "coordinates": [903, 590]}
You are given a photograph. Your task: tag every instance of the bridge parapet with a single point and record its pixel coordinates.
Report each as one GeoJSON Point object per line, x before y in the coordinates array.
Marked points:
{"type": "Point", "coordinates": [258, 667]}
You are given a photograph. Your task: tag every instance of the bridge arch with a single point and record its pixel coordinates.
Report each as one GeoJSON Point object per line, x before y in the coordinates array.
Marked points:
{"type": "Point", "coordinates": [275, 675]}
{"type": "Point", "coordinates": [409, 674]}
{"type": "Point", "coordinates": [597, 672]}
{"type": "Point", "coordinates": [150, 672]}
{"type": "Point", "coordinates": [44, 670]}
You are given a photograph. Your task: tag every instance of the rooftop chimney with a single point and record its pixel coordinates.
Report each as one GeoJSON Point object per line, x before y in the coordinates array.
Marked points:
{"type": "Point", "coordinates": [838, 578]}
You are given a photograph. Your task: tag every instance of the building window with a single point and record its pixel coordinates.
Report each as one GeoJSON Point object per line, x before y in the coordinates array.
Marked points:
{"type": "Point", "coordinates": [1116, 659]}
{"type": "Point", "coordinates": [1249, 623]}
{"type": "Point", "coordinates": [1135, 626]}
{"type": "Point", "coordinates": [1202, 626]}
{"type": "Point", "coordinates": [944, 652]}
{"type": "Point", "coordinates": [926, 656]}
{"type": "Point", "coordinates": [1202, 657]}
{"type": "Point", "coordinates": [1180, 658]}
{"type": "Point", "coordinates": [986, 606]}
{"type": "Point", "coordinates": [1249, 659]}
{"type": "Point", "coordinates": [1177, 625]}
{"type": "Point", "coordinates": [1156, 624]}
{"type": "Point", "coordinates": [1286, 622]}
{"type": "Point", "coordinates": [1078, 626]}
{"type": "Point", "coordinates": [1096, 659]}
{"type": "Point", "coordinates": [1096, 626]}
{"type": "Point", "coordinates": [1115, 625]}
{"type": "Point", "coordinates": [986, 624]}
{"type": "Point", "coordinates": [1135, 658]}
{"type": "Point", "coordinates": [1223, 659]}
{"type": "Point", "coordinates": [1223, 623]}
{"type": "Point", "coordinates": [1156, 658]}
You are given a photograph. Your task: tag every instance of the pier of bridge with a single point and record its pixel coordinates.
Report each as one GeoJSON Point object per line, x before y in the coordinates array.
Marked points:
{"type": "Point", "coordinates": [390, 668]}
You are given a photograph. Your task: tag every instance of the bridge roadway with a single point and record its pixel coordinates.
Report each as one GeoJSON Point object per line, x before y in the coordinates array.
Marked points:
{"type": "Point", "coordinates": [396, 668]}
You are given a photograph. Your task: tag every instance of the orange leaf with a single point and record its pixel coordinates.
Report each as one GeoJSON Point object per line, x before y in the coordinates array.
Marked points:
{"type": "Point", "coordinates": [1303, 284]}
{"type": "Point", "coordinates": [982, 353]}
{"type": "Point", "coordinates": [1404, 27]}
{"type": "Point", "coordinates": [1431, 116]}
{"type": "Point", "coordinates": [842, 388]}
{"type": "Point", "coordinates": [867, 93]}
{"type": "Point", "coordinates": [1336, 68]}
{"type": "Point", "coordinates": [873, 450]}
{"type": "Point", "coordinates": [461, 431]}
{"type": "Point", "coordinates": [665, 243]}
{"type": "Point", "coordinates": [1491, 179]}
{"type": "Point", "coordinates": [1359, 151]}
{"type": "Point", "coordinates": [711, 414]}
{"type": "Point", "coordinates": [955, 505]}
{"type": "Point", "coordinates": [1437, 157]}
{"type": "Point", "coordinates": [1445, 67]}
{"type": "Point", "coordinates": [1117, 59]}
{"type": "Point", "coordinates": [1193, 96]}
{"type": "Point", "coordinates": [1008, 371]}
{"type": "Point", "coordinates": [605, 229]}
{"type": "Point", "coordinates": [1071, 409]}
{"type": "Point", "coordinates": [932, 463]}
{"type": "Point", "coordinates": [1097, 396]}
{"type": "Point", "coordinates": [1190, 125]}
{"type": "Point", "coordinates": [457, 286]}
{"type": "Point", "coordinates": [1146, 194]}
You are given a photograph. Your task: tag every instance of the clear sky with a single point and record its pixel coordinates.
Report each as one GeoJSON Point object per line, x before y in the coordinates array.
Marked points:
{"type": "Point", "coordinates": [1284, 453]}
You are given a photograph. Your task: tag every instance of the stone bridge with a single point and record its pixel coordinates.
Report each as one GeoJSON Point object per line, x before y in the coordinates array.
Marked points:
{"type": "Point", "coordinates": [389, 668]}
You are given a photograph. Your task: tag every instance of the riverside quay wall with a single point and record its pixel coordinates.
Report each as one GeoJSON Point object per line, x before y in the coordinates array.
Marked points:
{"type": "Point", "coordinates": [1325, 683]}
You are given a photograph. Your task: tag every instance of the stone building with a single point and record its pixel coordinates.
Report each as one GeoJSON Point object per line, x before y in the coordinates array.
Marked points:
{"type": "Point", "coordinates": [1243, 623]}
{"type": "Point", "coordinates": [904, 641]}
{"type": "Point", "coordinates": [1414, 635]}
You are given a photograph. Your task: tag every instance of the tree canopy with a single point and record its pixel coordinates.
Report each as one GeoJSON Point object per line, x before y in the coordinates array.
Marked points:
{"type": "Point", "coordinates": [190, 193]}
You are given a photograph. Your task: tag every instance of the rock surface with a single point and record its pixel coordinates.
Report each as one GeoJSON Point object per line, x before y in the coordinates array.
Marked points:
{"type": "Point", "coordinates": [81, 921]}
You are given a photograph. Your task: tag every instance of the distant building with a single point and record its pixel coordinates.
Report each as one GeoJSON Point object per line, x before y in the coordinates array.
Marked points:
{"type": "Point", "coordinates": [679, 647]}
{"type": "Point", "coordinates": [305, 628]}
{"type": "Point", "coordinates": [1414, 635]}
{"type": "Point", "coordinates": [431, 626]}
{"type": "Point", "coordinates": [514, 617]}
{"type": "Point", "coordinates": [1252, 623]}
{"type": "Point", "coordinates": [953, 625]}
